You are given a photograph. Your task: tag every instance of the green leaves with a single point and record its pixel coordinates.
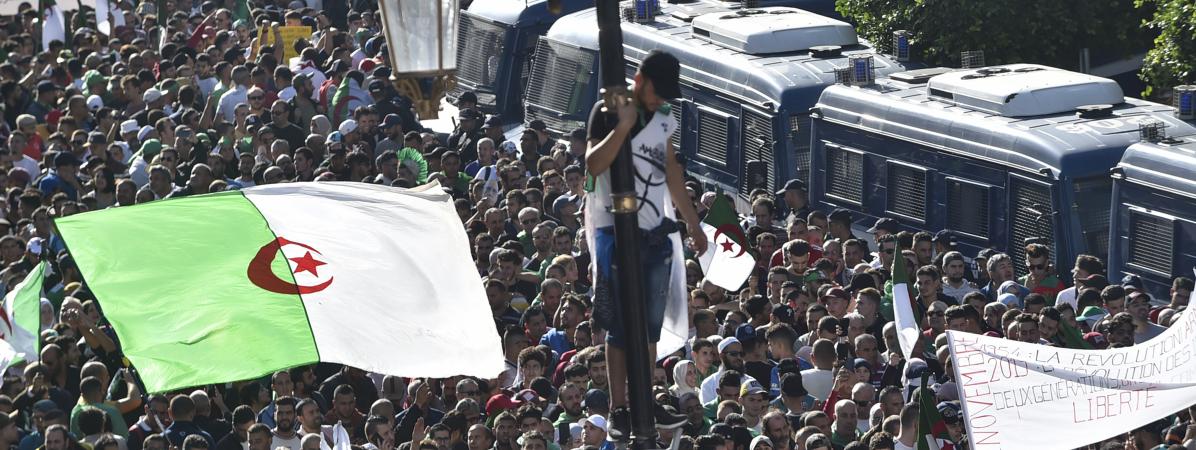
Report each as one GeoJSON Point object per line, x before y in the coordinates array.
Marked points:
{"type": "Point", "coordinates": [1049, 32]}
{"type": "Point", "coordinates": [1172, 61]}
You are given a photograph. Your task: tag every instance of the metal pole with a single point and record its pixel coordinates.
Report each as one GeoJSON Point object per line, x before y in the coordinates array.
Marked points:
{"type": "Point", "coordinates": [627, 233]}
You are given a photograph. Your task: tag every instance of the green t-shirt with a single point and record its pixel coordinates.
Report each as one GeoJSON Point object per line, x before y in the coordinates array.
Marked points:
{"type": "Point", "coordinates": [115, 419]}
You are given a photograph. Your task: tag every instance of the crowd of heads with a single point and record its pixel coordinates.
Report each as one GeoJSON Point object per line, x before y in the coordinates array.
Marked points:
{"type": "Point", "coordinates": [187, 98]}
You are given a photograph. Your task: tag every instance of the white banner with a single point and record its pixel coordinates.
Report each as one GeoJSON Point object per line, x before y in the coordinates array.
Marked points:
{"type": "Point", "coordinates": [1018, 395]}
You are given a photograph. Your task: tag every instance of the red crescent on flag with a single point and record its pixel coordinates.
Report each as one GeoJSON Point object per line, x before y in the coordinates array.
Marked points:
{"type": "Point", "coordinates": [261, 275]}
{"type": "Point", "coordinates": [734, 231]}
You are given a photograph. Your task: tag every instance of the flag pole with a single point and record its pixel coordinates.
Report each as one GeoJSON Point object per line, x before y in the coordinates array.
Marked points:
{"type": "Point", "coordinates": [631, 289]}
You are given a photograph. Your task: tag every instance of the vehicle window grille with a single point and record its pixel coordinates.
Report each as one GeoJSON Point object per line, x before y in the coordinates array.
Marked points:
{"type": "Point", "coordinates": [480, 51]}
{"type": "Point", "coordinates": [675, 109]}
{"type": "Point", "coordinates": [800, 143]}
{"type": "Point", "coordinates": [845, 174]}
{"type": "Point", "coordinates": [758, 145]}
{"type": "Point", "coordinates": [967, 208]}
{"type": "Point", "coordinates": [907, 191]}
{"type": "Point", "coordinates": [1152, 243]}
{"type": "Point", "coordinates": [712, 137]}
{"type": "Point", "coordinates": [1031, 207]}
{"type": "Point", "coordinates": [560, 76]}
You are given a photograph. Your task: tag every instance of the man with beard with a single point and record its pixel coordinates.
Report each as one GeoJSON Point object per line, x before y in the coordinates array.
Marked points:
{"type": "Point", "coordinates": [954, 282]}
{"type": "Point", "coordinates": [310, 420]}
{"type": "Point", "coordinates": [238, 439]}
{"type": "Point", "coordinates": [730, 352]}
{"type": "Point", "coordinates": [505, 432]}
{"type": "Point", "coordinates": [284, 420]}
{"type": "Point", "coordinates": [302, 107]}
{"type": "Point", "coordinates": [569, 400]}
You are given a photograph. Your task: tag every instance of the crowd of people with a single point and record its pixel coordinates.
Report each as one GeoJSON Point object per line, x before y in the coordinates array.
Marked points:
{"type": "Point", "coordinates": [183, 101]}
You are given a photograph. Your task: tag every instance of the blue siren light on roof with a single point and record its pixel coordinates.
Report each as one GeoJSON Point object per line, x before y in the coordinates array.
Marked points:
{"type": "Point", "coordinates": [1184, 100]}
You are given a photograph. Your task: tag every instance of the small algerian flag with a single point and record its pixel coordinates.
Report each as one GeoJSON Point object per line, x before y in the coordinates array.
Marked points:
{"type": "Point", "coordinates": [726, 262]}
{"type": "Point", "coordinates": [931, 426]}
{"type": "Point", "coordinates": [238, 284]}
{"type": "Point", "coordinates": [903, 310]}
{"type": "Point", "coordinates": [22, 316]}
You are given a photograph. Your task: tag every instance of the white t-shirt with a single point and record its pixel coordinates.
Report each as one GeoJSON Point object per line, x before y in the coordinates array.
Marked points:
{"type": "Point", "coordinates": [294, 443]}
{"type": "Point", "coordinates": [818, 382]}
{"type": "Point", "coordinates": [897, 445]}
{"type": "Point", "coordinates": [650, 149]}
{"type": "Point", "coordinates": [1149, 332]}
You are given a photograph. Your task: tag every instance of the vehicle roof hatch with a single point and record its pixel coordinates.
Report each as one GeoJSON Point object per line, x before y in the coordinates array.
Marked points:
{"type": "Point", "coordinates": [1023, 90]}
{"type": "Point", "coordinates": [759, 31]}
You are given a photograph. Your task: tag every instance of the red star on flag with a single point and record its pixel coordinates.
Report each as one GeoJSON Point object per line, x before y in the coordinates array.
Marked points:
{"type": "Point", "coordinates": [727, 246]}
{"type": "Point", "coordinates": [306, 263]}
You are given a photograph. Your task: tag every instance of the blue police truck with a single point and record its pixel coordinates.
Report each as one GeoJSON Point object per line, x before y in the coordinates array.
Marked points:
{"type": "Point", "coordinates": [495, 40]}
{"type": "Point", "coordinates": [748, 79]}
{"type": "Point", "coordinates": [1000, 155]}
{"type": "Point", "coordinates": [1153, 229]}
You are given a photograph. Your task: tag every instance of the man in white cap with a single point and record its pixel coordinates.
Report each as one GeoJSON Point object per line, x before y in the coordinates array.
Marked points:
{"type": "Point", "coordinates": [349, 133]}
{"type": "Point", "coordinates": [730, 350]}
{"type": "Point", "coordinates": [593, 431]}
{"type": "Point", "coordinates": [154, 99]}
{"type": "Point", "coordinates": [94, 103]}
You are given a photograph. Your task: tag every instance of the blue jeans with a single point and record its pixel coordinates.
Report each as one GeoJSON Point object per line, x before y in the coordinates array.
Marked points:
{"type": "Point", "coordinates": [656, 268]}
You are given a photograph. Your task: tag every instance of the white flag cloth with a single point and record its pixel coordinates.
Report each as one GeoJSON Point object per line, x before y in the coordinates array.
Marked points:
{"type": "Point", "coordinates": [730, 261]}
{"type": "Point", "coordinates": [1016, 394]}
{"type": "Point", "coordinates": [907, 325]}
{"type": "Point", "coordinates": [53, 26]}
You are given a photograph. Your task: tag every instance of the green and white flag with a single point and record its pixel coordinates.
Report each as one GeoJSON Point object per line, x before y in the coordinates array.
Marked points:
{"type": "Point", "coordinates": [726, 262]}
{"type": "Point", "coordinates": [22, 316]}
{"type": "Point", "coordinates": [908, 327]}
{"type": "Point", "coordinates": [238, 284]}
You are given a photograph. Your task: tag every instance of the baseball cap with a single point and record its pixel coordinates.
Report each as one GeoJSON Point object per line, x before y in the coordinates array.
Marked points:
{"type": "Point", "coordinates": [751, 386]}
{"type": "Point", "coordinates": [945, 237]}
{"type": "Point", "coordinates": [391, 120]}
{"type": "Point", "coordinates": [887, 224]}
{"type": "Point", "coordinates": [494, 121]}
{"type": "Point", "coordinates": [1096, 340]}
{"type": "Point", "coordinates": [94, 103]}
{"type": "Point", "coordinates": [597, 421]}
{"type": "Point", "coordinates": [151, 95]}
{"type": "Point", "coordinates": [664, 71]}
{"type": "Point", "coordinates": [96, 136]}
{"type": "Point", "coordinates": [595, 398]}
{"type": "Point", "coordinates": [839, 215]}
{"type": "Point", "coordinates": [46, 86]}
{"type": "Point", "coordinates": [792, 185]}
{"type": "Point", "coordinates": [499, 403]}
{"type": "Point", "coordinates": [467, 96]}
{"type": "Point", "coordinates": [45, 406]}
{"type": "Point", "coordinates": [1132, 280]}
{"type": "Point", "coordinates": [860, 362]}
{"type": "Point", "coordinates": [537, 125]}
{"type": "Point", "coordinates": [35, 245]}
{"type": "Point", "coordinates": [129, 126]}
{"type": "Point", "coordinates": [526, 395]}
{"type": "Point", "coordinates": [468, 114]}
{"type": "Point", "coordinates": [377, 86]}
{"type": "Point", "coordinates": [745, 333]}
{"type": "Point", "coordinates": [949, 411]}
{"type": "Point", "coordinates": [348, 126]}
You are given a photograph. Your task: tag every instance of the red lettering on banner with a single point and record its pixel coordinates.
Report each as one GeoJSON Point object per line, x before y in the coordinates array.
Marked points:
{"type": "Point", "coordinates": [974, 375]}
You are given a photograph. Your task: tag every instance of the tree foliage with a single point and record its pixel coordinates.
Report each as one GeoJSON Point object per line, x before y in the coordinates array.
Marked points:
{"type": "Point", "coordinates": [1050, 32]}
{"type": "Point", "coordinates": [1172, 61]}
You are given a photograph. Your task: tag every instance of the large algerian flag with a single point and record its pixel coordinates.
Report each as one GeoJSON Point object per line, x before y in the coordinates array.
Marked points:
{"type": "Point", "coordinates": [726, 262]}
{"type": "Point", "coordinates": [907, 320]}
{"type": "Point", "coordinates": [22, 316]}
{"type": "Point", "coordinates": [238, 284]}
